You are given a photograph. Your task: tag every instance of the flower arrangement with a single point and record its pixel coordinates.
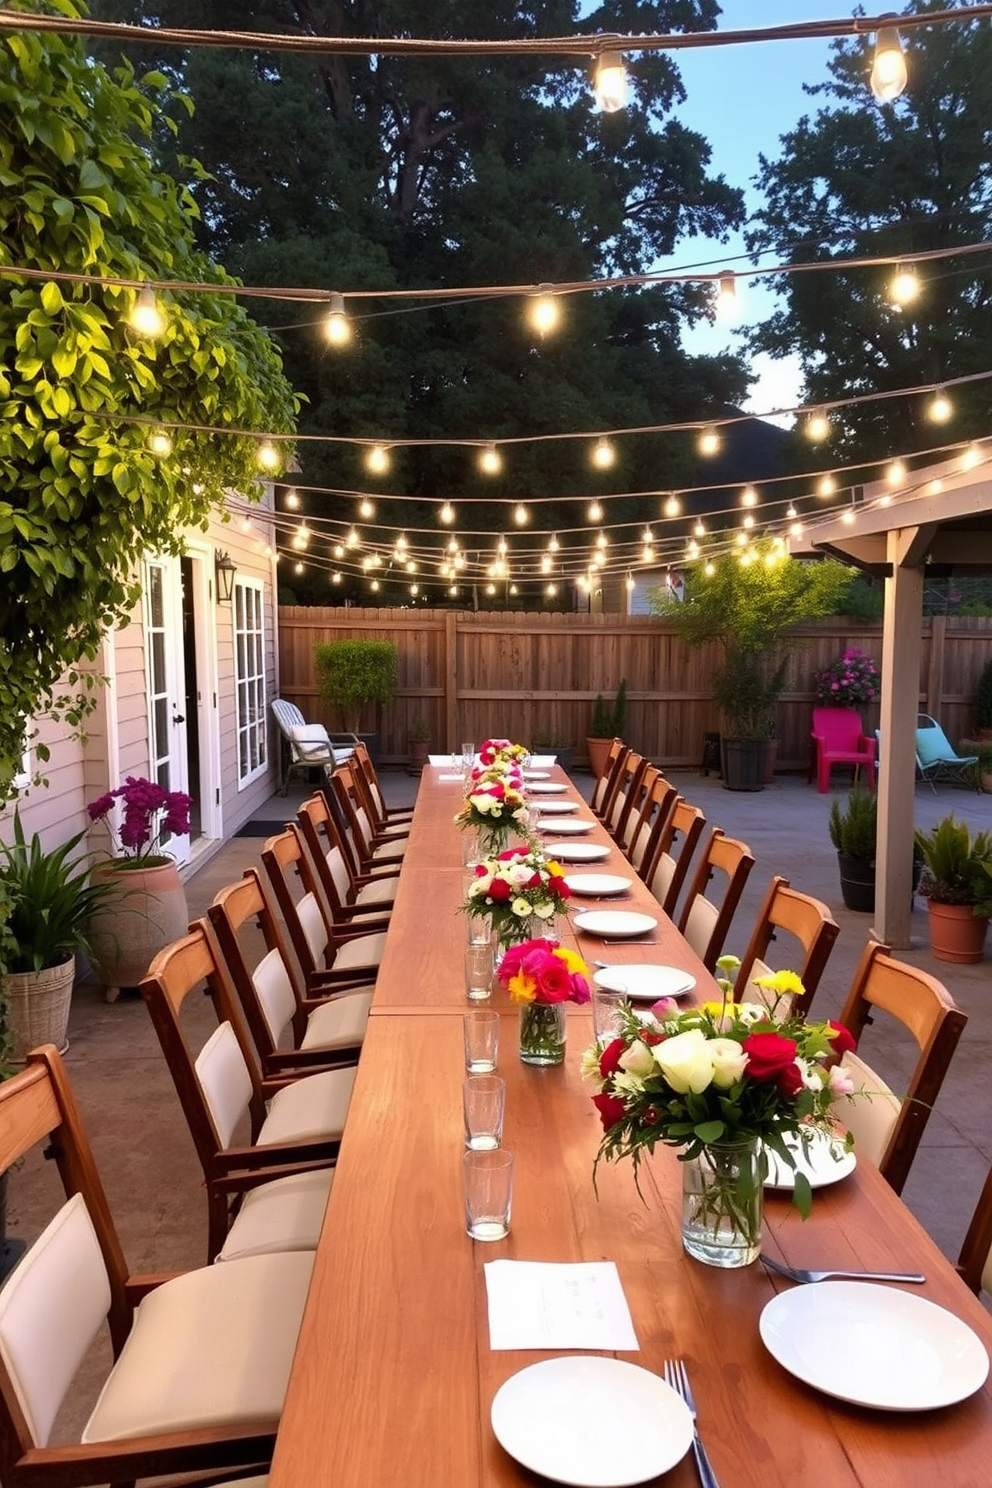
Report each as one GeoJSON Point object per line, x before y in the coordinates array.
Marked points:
{"type": "Point", "coordinates": [850, 678]}
{"type": "Point", "coordinates": [149, 811]}
{"type": "Point", "coordinates": [495, 751]}
{"type": "Point", "coordinates": [512, 888]}
{"type": "Point", "coordinates": [721, 1073]}
{"type": "Point", "coordinates": [541, 971]}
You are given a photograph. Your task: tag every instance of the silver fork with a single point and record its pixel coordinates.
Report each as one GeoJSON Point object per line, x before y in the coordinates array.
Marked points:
{"type": "Point", "coordinates": [676, 1375]}
{"type": "Point", "coordinates": [797, 1273]}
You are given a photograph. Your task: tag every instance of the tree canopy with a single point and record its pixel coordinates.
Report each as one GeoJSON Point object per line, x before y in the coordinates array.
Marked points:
{"type": "Point", "coordinates": [381, 173]}
{"type": "Point", "coordinates": [81, 495]}
{"type": "Point", "coordinates": [865, 179]}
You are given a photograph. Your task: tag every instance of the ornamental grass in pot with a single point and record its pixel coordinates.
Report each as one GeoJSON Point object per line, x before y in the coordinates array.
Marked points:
{"type": "Point", "coordinates": [957, 885]}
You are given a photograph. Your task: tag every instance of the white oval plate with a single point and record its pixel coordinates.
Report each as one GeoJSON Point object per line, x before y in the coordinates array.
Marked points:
{"type": "Point", "coordinates": [642, 981]}
{"type": "Point", "coordinates": [614, 922]}
{"type": "Point", "coordinates": [900, 1351]}
{"type": "Point", "coordinates": [546, 787]}
{"type": "Point", "coordinates": [560, 806]}
{"type": "Point", "coordinates": [823, 1162]}
{"type": "Point", "coordinates": [536, 774]}
{"type": "Point", "coordinates": [550, 1417]}
{"type": "Point", "coordinates": [566, 826]}
{"type": "Point", "coordinates": [577, 852]}
{"type": "Point", "coordinates": [598, 885]}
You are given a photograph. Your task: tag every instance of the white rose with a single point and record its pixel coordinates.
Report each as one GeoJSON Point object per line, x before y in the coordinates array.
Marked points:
{"type": "Point", "coordinates": [483, 803]}
{"type": "Point", "coordinates": [729, 1061]}
{"type": "Point", "coordinates": [685, 1061]}
{"type": "Point", "coordinates": [519, 874]}
{"type": "Point", "coordinates": [638, 1060]}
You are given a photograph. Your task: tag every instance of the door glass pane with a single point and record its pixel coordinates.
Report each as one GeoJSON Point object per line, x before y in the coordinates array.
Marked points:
{"type": "Point", "coordinates": [250, 690]}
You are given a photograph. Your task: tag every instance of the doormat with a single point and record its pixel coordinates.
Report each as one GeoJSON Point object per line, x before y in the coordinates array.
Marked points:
{"type": "Point", "coordinates": [260, 829]}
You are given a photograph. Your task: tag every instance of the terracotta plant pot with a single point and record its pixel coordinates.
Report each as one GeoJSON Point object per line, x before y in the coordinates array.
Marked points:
{"type": "Point", "coordinates": [598, 751]}
{"type": "Point", "coordinates": [419, 749]}
{"type": "Point", "coordinates": [956, 934]}
{"type": "Point", "coordinates": [148, 913]}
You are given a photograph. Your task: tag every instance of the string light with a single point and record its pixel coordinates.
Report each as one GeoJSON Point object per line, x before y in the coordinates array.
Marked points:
{"type": "Point", "coordinates": [602, 541]}
{"type": "Point", "coordinates": [935, 487]}
{"type": "Point", "coordinates": [826, 485]}
{"type": "Point", "coordinates": [374, 586]}
{"type": "Point", "coordinates": [339, 550]}
{"type": "Point", "coordinates": [351, 541]}
{"type": "Point", "coordinates": [610, 85]}
{"type": "Point", "coordinates": [447, 513]}
{"type": "Point", "coordinates": [709, 442]}
{"type": "Point", "coordinates": [818, 426]}
{"type": "Point", "coordinates": [895, 473]}
{"type": "Point", "coordinates": [292, 499]}
{"type": "Point", "coordinates": [749, 497]}
{"type": "Point", "coordinates": [790, 510]}
{"type": "Point", "coordinates": [630, 582]}
{"type": "Point", "coordinates": [904, 286]}
{"type": "Point", "coordinates": [337, 326]}
{"type": "Point", "coordinates": [971, 457]}
{"type": "Point", "coordinates": [490, 460]}
{"type": "Point", "coordinates": [709, 569]}
{"type": "Point", "coordinates": [673, 507]}
{"type": "Point", "coordinates": [551, 590]}
{"type": "Point", "coordinates": [940, 408]}
{"type": "Point", "coordinates": [647, 553]}
{"type": "Point", "coordinates": [727, 303]}
{"type": "Point", "coordinates": [543, 311]}
{"type": "Point", "coordinates": [298, 568]}
{"type": "Point", "coordinates": [594, 512]}
{"type": "Point", "coordinates": [146, 317]}
{"type": "Point", "coordinates": [748, 522]}
{"type": "Point", "coordinates": [521, 515]}
{"type": "Point", "coordinates": [888, 73]}
{"type": "Point", "coordinates": [378, 461]}
{"type": "Point", "coordinates": [603, 454]}
{"type": "Point", "coordinates": [159, 442]}
{"type": "Point", "coordinates": [366, 508]}
{"type": "Point", "coordinates": [268, 456]}
{"type": "Point", "coordinates": [699, 530]}
{"type": "Point", "coordinates": [553, 543]}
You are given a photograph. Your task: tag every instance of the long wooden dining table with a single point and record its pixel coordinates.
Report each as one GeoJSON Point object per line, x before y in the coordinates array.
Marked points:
{"type": "Point", "coordinates": [394, 1375]}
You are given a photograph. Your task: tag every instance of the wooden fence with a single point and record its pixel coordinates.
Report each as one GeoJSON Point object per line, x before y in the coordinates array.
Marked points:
{"type": "Point", "coordinates": [535, 677]}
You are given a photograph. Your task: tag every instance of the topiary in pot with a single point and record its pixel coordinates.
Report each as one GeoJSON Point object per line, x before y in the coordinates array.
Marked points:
{"type": "Point", "coordinates": [353, 673]}
{"type": "Point", "coordinates": [853, 831]}
{"type": "Point", "coordinates": [607, 723]}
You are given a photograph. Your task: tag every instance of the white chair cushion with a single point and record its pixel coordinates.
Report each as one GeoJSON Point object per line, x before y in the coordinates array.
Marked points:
{"type": "Point", "coordinates": [275, 993]}
{"type": "Point", "coordinates": [310, 742]}
{"type": "Point", "coordinates": [699, 925]}
{"type": "Point", "coordinates": [225, 1080]}
{"type": "Point", "coordinates": [315, 1106]}
{"type": "Point", "coordinates": [366, 950]}
{"type": "Point", "coordinates": [390, 850]}
{"type": "Point", "coordinates": [211, 1347]}
{"type": "Point", "coordinates": [283, 1215]}
{"type": "Point", "coordinates": [395, 832]}
{"type": "Point", "coordinates": [871, 1117]}
{"type": "Point", "coordinates": [339, 1024]}
{"type": "Point", "coordinates": [50, 1311]}
{"type": "Point", "coordinates": [383, 892]}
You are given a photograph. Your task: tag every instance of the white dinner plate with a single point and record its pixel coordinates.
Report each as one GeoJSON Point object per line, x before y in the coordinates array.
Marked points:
{"type": "Point", "coordinates": [537, 774]}
{"type": "Point", "coordinates": [620, 922]}
{"type": "Point", "coordinates": [900, 1352]}
{"type": "Point", "coordinates": [598, 885]}
{"type": "Point", "coordinates": [641, 981]}
{"type": "Point", "coordinates": [565, 826]}
{"type": "Point", "coordinates": [576, 852]}
{"type": "Point", "coordinates": [551, 1417]}
{"type": "Point", "coordinates": [560, 806]}
{"type": "Point", "coordinates": [824, 1161]}
{"type": "Point", "coordinates": [546, 787]}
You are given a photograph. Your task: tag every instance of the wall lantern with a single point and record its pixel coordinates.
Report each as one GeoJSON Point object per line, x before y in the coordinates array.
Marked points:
{"type": "Point", "coordinates": [225, 569]}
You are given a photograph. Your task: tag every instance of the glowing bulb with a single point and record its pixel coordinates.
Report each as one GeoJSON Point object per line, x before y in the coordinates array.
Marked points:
{"type": "Point", "coordinates": [673, 507]}
{"type": "Point", "coordinates": [709, 570]}
{"type": "Point", "coordinates": [727, 303]}
{"type": "Point", "coordinates": [543, 312]}
{"type": "Point", "coordinates": [453, 590]}
{"type": "Point", "coordinates": [267, 456]}
{"type": "Point", "coordinates": [826, 485]}
{"type": "Point", "coordinates": [895, 473]}
{"type": "Point", "coordinates": [298, 568]}
{"type": "Point", "coordinates": [699, 530]}
{"type": "Point", "coordinates": [796, 529]}
{"type": "Point", "coordinates": [630, 583]}
{"type": "Point", "coordinates": [647, 536]}
{"type": "Point", "coordinates": [459, 560]}
{"type": "Point", "coordinates": [553, 544]}
{"type": "Point", "coordinates": [490, 460]}
{"type": "Point", "coordinates": [366, 507]}
{"type": "Point", "coordinates": [941, 408]}
{"type": "Point", "coordinates": [521, 515]}
{"type": "Point", "coordinates": [693, 548]}
{"type": "Point", "coordinates": [551, 590]}
{"type": "Point", "coordinates": [146, 318]}
{"type": "Point", "coordinates": [377, 460]}
{"type": "Point", "coordinates": [594, 512]}
{"type": "Point", "coordinates": [546, 564]}
{"type": "Point", "coordinates": [401, 543]}
{"type": "Point", "coordinates": [971, 457]}
{"type": "Point", "coordinates": [513, 588]}
{"type": "Point", "coordinates": [741, 539]}
{"type": "Point", "coordinates": [337, 326]}
{"type": "Point", "coordinates": [904, 285]}
{"type": "Point", "coordinates": [847, 516]}
{"type": "Point", "coordinates": [490, 589]}
{"type": "Point", "coordinates": [501, 547]}
{"type": "Point", "coordinates": [610, 85]}
{"type": "Point", "coordinates": [339, 550]}
{"type": "Point", "coordinates": [748, 522]}
{"type": "Point", "coordinates": [602, 541]}
{"type": "Point", "coordinates": [351, 541]}
{"type": "Point", "coordinates": [709, 442]}
{"type": "Point", "coordinates": [790, 511]}
{"type": "Point", "coordinates": [301, 536]}
{"type": "Point", "coordinates": [374, 586]}
{"type": "Point", "coordinates": [603, 454]}
{"type": "Point", "coordinates": [159, 442]}
{"type": "Point", "coordinates": [888, 73]}
{"type": "Point", "coordinates": [335, 577]}
{"type": "Point", "coordinates": [818, 427]}
{"type": "Point", "coordinates": [749, 496]}
{"type": "Point", "coordinates": [935, 487]}
{"type": "Point", "coordinates": [411, 567]}
{"type": "Point", "coordinates": [447, 513]}
{"type": "Point", "coordinates": [647, 553]}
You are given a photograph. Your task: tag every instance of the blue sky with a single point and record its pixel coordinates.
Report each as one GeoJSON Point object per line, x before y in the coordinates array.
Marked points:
{"type": "Point", "coordinates": [742, 99]}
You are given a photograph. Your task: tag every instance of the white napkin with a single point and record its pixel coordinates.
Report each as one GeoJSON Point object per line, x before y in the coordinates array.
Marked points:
{"type": "Point", "coordinates": [546, 1305]}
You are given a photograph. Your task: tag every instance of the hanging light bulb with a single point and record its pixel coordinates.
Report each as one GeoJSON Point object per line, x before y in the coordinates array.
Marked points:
{"type": "Point", "coordinates": [543, 310]}
{"type": "Point", "coordinates": [301, 536]}
{"type": "Point", "coordinates": [935, 487]}
{"type": "Point", "coordinates": [970, 457]}
{"type": "Point", "coordinates": [610, 84]}
{"type": "Point", "coordinates": [941, 408]}
{"type": "Point", "coordinates": [298, 568]}
{"type": "Point", "coordinates": [847, 516]}
{"type": "Point", "coordinates": [521, 515]}
{"type": "Point", "coordinates": [459, 560]}
{"type": "Point", "coordinates": [741, 538]}
{"type": "Point", "coordinates": [146, 318]}
{"type": "Point", "coordinates": [337, 326]}
{"type": "Point", "coordinates": [692, 550]}
{"type": "Point", "coordinates": [414, 589]}
{"type": "Point", "coordinates": [647, 553]}
{"type": "Point", "coordinates": [727, 303]}
{"type": "Point", "coordinates": [603, 454]}
{"type": "Point", "coordinates": [551, 590]}
{"type": "Point", "coordinates": [699, 530]}
{"type": "Point", "coordinates": [630, 582]}
{"type": "Point", "coordinates": [747, 522]}
{"type": "Point", "coordinates": [647, 536]}
{"type": "Point", "coordinates": [553, 544]}
{"type": "Point", "coordinates": [453, 590]}
{"type": "Point", "coordinates": [796, 529]}
{"type": "Point", "coordinates": [790, 511]}
{"type": "Point", "coordinates": [709, 569]}
{"type": "Point", "coordinates": [377, 459]}
{"type": "Point", "coordinates": [401, 543]}
{"type": "Point", "coordinates": [594, 512]}
{"type": "Point", "coordinates": [602, 541]}
{"type": "Point", "coordinates": [546, 564]}
{"type": "Point", "coordinates": [749, 496]}
{"type": "Point", "coordinates": [904, 285]}
{"type": "Point", "coordinates": [339, 550]}
{"type": "Point", "coordinates": [826, 485]}
{"type": "Point", "coordinates": [709, 442]}
{"type": "Point", "coordinates": [818, 427]}
{"type": "Point", "coordinates": [888, 72]}
{"type": "Point", "coordinates": [374, 586]}
{"type": "Point", "coordinates": [366, 508]}
{"type": "Point", "coordinates": [452, 545]}
{"type": "Point", "coordinates": [447, 513]}
{"type": "Point", "coordinates": [513, 588]}
{"type": "Point", "coordinates": [501, 547]}
{"type": "Point", "coordinates": [268, 456]}
{"type": "Point", "coordinates": [292, 499]}
{"type": "Point", "coordinates": [490, 460]}
{"type": "Point", "coordinates": [159, 442]}
{"type": "Point", "coordinates": [895, 473]}
{"type": "Point", "coordinates": [490, 589]}
{"type": "Point", "coordinates": [352, 540]}
{"type": "Point", "coordinates": [673, 507]}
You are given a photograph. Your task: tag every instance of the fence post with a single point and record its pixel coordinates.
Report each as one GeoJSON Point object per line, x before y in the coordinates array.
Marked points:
{"type": "Point", "coordinates": [449, 681]}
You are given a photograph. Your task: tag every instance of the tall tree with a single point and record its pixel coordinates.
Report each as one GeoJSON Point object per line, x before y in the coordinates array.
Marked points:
{"type": "Point", "coordinates": [440, 172]}
{"type": "Point", "coordinates": [863, 179]}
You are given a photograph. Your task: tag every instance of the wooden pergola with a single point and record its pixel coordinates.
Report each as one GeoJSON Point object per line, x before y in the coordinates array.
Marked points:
{"type": "Point", "coordinates": [939, 521]}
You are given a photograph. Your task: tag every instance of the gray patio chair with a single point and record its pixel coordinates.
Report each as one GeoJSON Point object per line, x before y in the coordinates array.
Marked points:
{"type": "Point", "coordinates": [936, 760]}
{"type": "Point", "coordinates": [308, 744]}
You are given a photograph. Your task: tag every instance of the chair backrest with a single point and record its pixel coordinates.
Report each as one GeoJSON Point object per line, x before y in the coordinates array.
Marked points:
{"type": "Point", "coordinates": [287, 715]}
{"type": "Point", "coordinates": [627, 800]}
{"type": "Point", "coordinates": [932, 744]}
{"type": "Point", "coordinates": [306, 916]}
{"type": "Point", "coordinates": [975, 1259]}
{"type": "Point", "coordinates": [705, 921]}
{"type": "Point", "coordinates": [262, 977]}
{"type": "Point", "coordinates": [322, 834]}
{"type": "Point", "coordinates": [608, 782]}
{"type": "Point", "coordinates": [645, 840]}
{"type": "Point", "coordinates": [811, 931]}
{"type": "Point", "coordinates": [309, 743]}
{"type": "Point", "coordinates": [71, 1280]}
{"type": "Point", "coordinates": [888, 1128]}
{"type": "Point", "coordinates": [367, 777]}
{"type": "Point", "coordinates": [353, 814]}
{"type": "Point", "coordinates": [683, 830]}
{"type": "Point", "coordinates": [837, 728]}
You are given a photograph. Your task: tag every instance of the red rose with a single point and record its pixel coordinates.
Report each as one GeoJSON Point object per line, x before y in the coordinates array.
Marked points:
{"type": "Point", "coordinates": [841, 1040]}
{"type": "Point", "coordinates": [534, 882]}
{"type": "Point", "coordinates": [611, 1109]}
{"type": "Point", "coordinates": [790, 1081]}
{"type": "Point", "coordinates": [500, 890]}
{"type": "Point", "coordinates": [768, 1055]}
{"type": "Point", "coordinates": [558, 886]}
{"type": "Point", "coordinates": [609, 1060]}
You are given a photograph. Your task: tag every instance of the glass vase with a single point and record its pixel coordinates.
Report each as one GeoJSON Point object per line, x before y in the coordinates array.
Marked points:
{"type": "Point", "coordinates": [493, 838]}
{"type": "Point", "coordinates": [722, 1204]}
{"type": "Point", "coordinates": [542, 1033]}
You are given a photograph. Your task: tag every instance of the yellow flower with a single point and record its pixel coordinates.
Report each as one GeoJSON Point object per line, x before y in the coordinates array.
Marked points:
{"type": "Point", "coordinates": [784, 983]}
{"type": "Point", "coordinates": [521, 988]}
{"type": "Point", "coordinates": [572, 960]}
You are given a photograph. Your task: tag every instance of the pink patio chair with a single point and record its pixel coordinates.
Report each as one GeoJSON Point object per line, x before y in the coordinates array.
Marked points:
{"type": "Point", "coordinates": [840, 740]}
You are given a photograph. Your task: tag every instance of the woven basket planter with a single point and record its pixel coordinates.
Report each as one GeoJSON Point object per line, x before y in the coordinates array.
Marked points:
{"type": "Point", "coordinates": [38, 1007]}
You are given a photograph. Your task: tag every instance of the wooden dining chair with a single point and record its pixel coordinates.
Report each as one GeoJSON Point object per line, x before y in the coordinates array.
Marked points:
{"type": "Point", "coordinates": [201, 1359]}
{"type": "Point", "coordinates": [666, 865]}
{"type": "Point", "coordinates": [887, 1128]}
{"type": "Point", "coordinates": [329, 953]}
{"type": "Point", "coordinates": [326, 1029]}
{"type": "Point", "coordinates": [383, 818]}
{"type": "Point", "coordinates": [974, 1262]}
{"type": "Point", "coordinates": [705, 920]}
{"type": "Point", "coordinates": [644, 845]}
{"type": "Point", "coordinates": [349, 895]}
{"type": "Point", "coordinates": [370, 852]}
{"type": "Point", "coordinates": [809, 931]}
{"type": "Point", "coordinates": [628, 800]}
{"type": "Point", "coordinates": [609, 782]}
{"type": "Point", "coordinates": [294, 1119]}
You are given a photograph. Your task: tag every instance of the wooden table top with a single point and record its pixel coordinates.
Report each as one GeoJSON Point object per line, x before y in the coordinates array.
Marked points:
{"type": "Point", "coordinates": [394, 1376]}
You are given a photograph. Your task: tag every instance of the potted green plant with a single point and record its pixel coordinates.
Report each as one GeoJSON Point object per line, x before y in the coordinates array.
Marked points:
{"type": "Point", "coordinates": [983, 702]}
{"type": "Point", "coordinates": [853, 831]}
{"type": "Point", "coordinates": [546, 741]}
{"type": "Point", "coordinates": [607, 723]}
{"type": "Point", "coordinates": [352, 674]}
{"type": "Point", "coordinates": [418, 740]}
{"type": "Point", "coordinates": [746, 689]}
{"type": "Point", "coordinates": [957, 884]}
{"type": "Point", "coordinates": [52, 898]}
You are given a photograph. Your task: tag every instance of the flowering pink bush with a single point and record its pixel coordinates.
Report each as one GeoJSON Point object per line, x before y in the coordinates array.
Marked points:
{"type": "Point", "coordinates": [849, 679]}
{"type": "Point", "coordinates": [149, 810]}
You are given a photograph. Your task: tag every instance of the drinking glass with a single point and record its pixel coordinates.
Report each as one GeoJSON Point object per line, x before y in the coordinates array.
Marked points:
{"type": "Point", "coordinates": [480, 932]}
{"type": "Point", "coordinates": [483, 1104]}
{"type": "Point", "coordinates": [488, 1178]}
{"type": "Point", "coordinates": [606, 1014]}
{"type": "Point", "coordinates": [481, 1028]}
{"type": "Point", "coordinates": [468, 754]}
{"type": "Point", "coordinates": [479, 968]}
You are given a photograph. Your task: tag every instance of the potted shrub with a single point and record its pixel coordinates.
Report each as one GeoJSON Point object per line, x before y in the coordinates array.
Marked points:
{"type": "Point", "coordinates": [983, 702]}
{"type": "Point", "coordinates": [853, 830]}
{"type": "Point", "coordinates": [418, 740]}
{"type": "Point", "coordinates": [747, 688]}
{"type": "Point", "coordinates": [607, 723]}
{"type": "Point", "coordinates": [957, 883]}
{"type": "Point", "coordinates": [548, 742]}
{"type": "Point", "coordinates": [52, 898]}
{"type": "Point", "coordinates": [352, 674]}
